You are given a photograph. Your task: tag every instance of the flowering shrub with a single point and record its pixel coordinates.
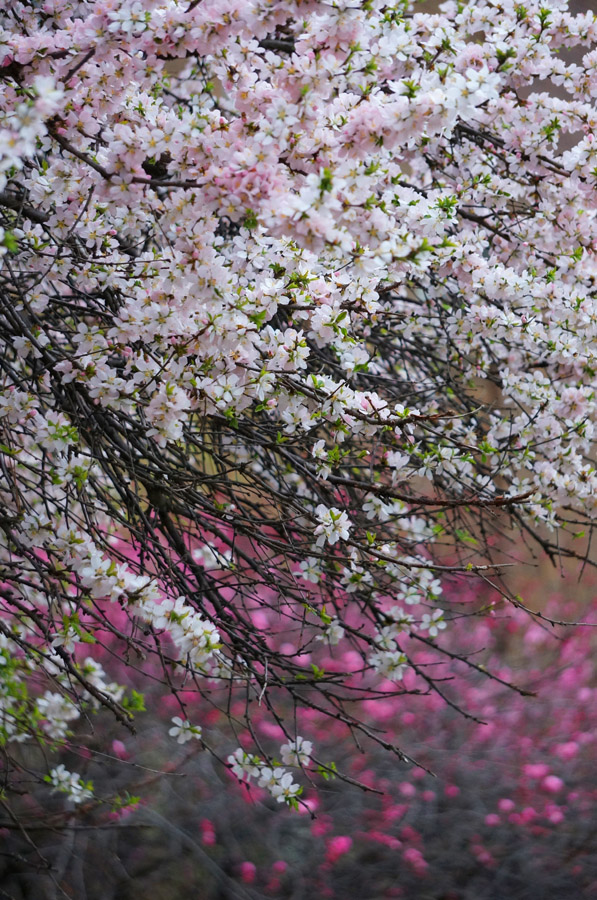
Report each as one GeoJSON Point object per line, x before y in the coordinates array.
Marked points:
{"type": "Point", "coordinates": [297, 310]}
{"type": "Point", "coordinates": [508, 810]}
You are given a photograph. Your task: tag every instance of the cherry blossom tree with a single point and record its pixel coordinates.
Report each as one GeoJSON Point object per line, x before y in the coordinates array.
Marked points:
{"type": "Point", "coordinates": [298, 316]}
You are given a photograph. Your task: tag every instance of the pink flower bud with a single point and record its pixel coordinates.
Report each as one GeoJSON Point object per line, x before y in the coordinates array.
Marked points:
{"type": "Point", "coordinates": [120, 750]}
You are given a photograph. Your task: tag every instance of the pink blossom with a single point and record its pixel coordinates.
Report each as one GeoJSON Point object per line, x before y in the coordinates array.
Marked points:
{"type": "Point", "coordinates": [338, 846]}
{"type": "Point", "coordinates": [248, 872]}
{"type": "Point", "coordinates": [552, 784]}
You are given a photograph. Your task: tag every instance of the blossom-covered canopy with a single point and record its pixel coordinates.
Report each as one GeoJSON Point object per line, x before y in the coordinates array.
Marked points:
{"type": "Point", "coordinates": [296, 298]}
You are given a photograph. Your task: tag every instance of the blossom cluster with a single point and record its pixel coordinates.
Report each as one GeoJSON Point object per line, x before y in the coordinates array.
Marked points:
{"type": "Point", "coordinates": [274, 778]}
{"type": "Point", "coordinates": [70, 783]}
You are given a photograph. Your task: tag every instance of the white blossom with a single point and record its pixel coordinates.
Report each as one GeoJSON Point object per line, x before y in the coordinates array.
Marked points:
{"type": "Point", "coordinates": [334, 525]}
{"type": "Point", "coordinates": [183, 731]}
